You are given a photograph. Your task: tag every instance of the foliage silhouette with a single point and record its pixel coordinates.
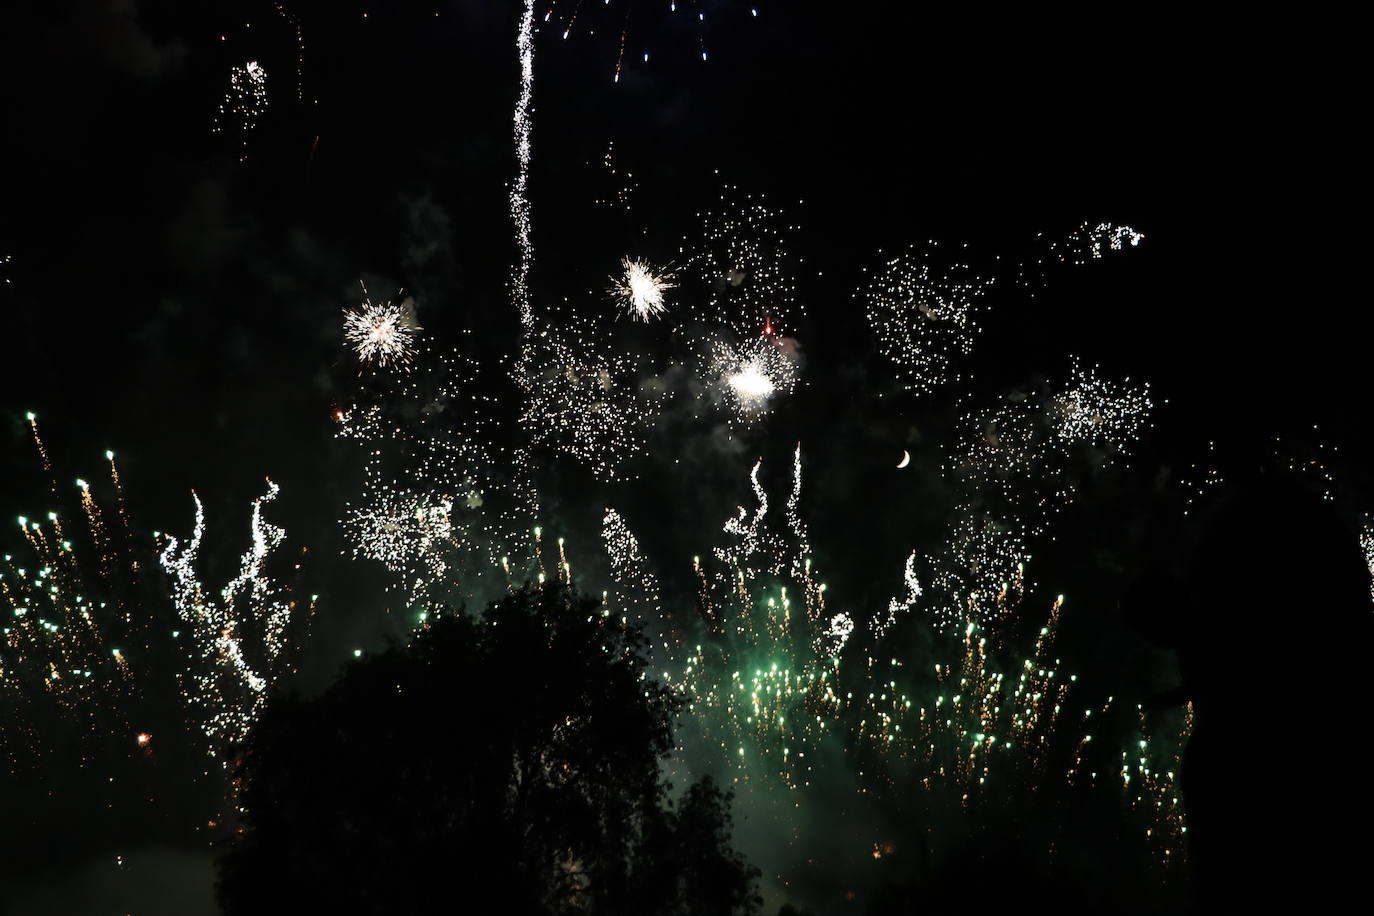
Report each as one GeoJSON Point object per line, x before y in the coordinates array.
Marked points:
{"type": "Point", "coordinates": [503, 764]}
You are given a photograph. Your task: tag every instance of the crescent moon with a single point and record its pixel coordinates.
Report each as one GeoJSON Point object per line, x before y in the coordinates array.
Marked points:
{"type": "Point", "coordinates": [906, 459]}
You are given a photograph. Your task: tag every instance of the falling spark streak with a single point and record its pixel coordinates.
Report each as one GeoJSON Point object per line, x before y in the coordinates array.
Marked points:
{"type": "Point", "coordinates": [519, 200]}
{"type": "Point", "coordinates": [525, 483]}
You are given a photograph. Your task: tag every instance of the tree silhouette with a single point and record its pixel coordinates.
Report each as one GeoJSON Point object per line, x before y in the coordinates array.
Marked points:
{"type": "Point", "coordinates": [504, 764]}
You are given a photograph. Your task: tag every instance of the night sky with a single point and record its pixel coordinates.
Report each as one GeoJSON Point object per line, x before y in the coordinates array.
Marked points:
{"type": "Point", "coordinates": [175, 294]}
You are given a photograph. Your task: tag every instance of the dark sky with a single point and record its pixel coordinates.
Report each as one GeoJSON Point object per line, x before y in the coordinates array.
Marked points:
{"type": "Point", "coordinates": [182, 307]}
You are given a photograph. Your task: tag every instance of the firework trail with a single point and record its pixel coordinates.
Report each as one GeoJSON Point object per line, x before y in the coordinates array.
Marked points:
{"type": "Point", "coordinates": [97, 666]}
{"type": "Point", "coordinates": [223, 683]}
{"type": "Point", "coordinates": [519, 193]}
{"type": "Point", "coordinates": [295, 23]}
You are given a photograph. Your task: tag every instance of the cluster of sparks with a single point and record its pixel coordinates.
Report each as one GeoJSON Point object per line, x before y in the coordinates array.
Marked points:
{"type": "Point", "coordinates": [244, 102]}
{"type": "Point", "coordinates": [1011, 466]}
{"type": "Point", "coordinates": [776, 682]}
{"type": "Point", "coordinates": [748, 375]}
{"type": "Point", "coordinates": [641, 288]}
{"type": "Point", "coordinates": [453, 529]}
{"type": "Point", "coordinates": [741, 260]}
{"type": "Point", "coordinates": [92, 661]}
{"type": "Point", "coordinates": [225, 684]}
{"type": "Point", "coordinates": [1093, 241]}
{"type": "Point", "coordinates": [382, 333]}
{"type": "Point", "coordinates": [924, 316]}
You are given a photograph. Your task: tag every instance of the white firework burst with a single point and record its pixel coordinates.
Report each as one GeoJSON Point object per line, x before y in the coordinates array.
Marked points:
{"type": "Point", "coordinates": [1105, 413]}
{"type": "Point", "coordinates": [401, 530]}
{"type": "Point", "coordinates": [924, 313]}
{"type": "Point", "coordinates": [382, 333]}
{"type": "Point", "coordinates": [641, 288]}
{"type": "Point", "coordinates": [751, 374]}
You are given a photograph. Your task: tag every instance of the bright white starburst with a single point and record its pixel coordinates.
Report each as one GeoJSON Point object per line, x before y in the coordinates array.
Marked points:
{"type": "Point", "coordinates": [641, 288]}
{"type": "Point", "coordinates": [752, 374]}
{"type": "Point", "coordinates": [383, 334]}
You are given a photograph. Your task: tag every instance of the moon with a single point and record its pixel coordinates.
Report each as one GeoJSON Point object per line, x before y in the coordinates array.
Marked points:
{"type": "Point", "coordinates": [906, 459]}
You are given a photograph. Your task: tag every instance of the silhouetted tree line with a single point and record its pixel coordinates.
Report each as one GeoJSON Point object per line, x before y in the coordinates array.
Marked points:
{"type": "Point", "coordinates": [504, 764]}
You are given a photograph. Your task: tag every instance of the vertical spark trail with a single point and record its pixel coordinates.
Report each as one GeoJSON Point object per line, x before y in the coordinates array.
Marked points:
{"type": "Point", "coordinates": [295, 24]}
{"type": "Point", "coordinates": [794, 519]}
{"type": "Point", "coordinates": [42, 452]}
{"type": "Point", "coordinates": [519, 199]}
{"type": "Point", "coordinates": [520, 281]}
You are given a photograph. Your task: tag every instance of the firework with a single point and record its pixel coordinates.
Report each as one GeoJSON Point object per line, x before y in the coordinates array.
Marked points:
{"type": "Point", "coordinates": [407, 534]}
{"type": "Point", "coordinates": [637, 590]}
{"type": "Point", "coordinates": [1099, 412]}
{"type": "Point", "coordinates": [1091, 242]}
{"type": "Point", "coordinates": [222, 682]}
{"type": "Point", "coordinates": [566, 14]}
{"type": "Point", "coordinates": [455, 529]}
{"type": "Point", "coordinates": [1012, 467]}
{"type": "Point", "coordinates": [95, 660]}
{"type": "Point", "coordinates": [748, 376]}
{"type": "Point", "coordinates": [924, 317]}
{"type": "Point", "coordinates": [295, 23]}
{"type": "Point", "coordinates": [741, 255]}
{"type": "Point", "coordinates": [519, 198]}
{"type": "Point", "coordinates": [244, 102]}
{"type": "Point", "coordinates": [382, 334]}
{"type": "Point", "coordinates": [641, 289]}
{"type": "Point", "coordinates": [588, 403]}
